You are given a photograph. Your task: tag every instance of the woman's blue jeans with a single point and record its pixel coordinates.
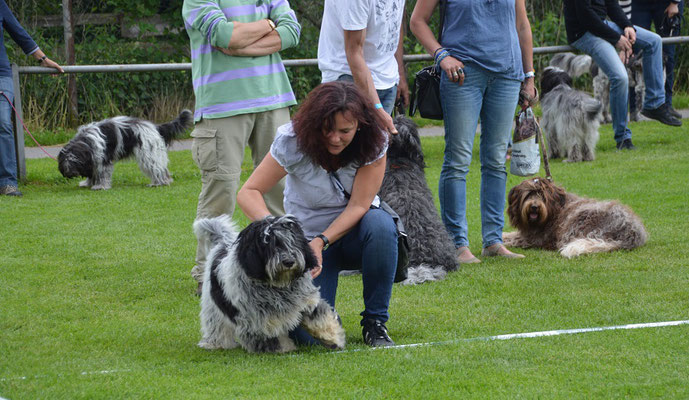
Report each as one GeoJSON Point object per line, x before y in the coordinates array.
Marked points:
{"type": "Point", "coordinates": [608, 59]}
{"type": "Point", "coordinates": [492, 98]}
{"type": "Point", "coordinates": [8, 156]}
{"type": "Point", "coordinates": [372, 247]}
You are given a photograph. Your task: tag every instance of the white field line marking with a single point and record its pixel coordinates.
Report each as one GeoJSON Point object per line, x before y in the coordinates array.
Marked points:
{"type": "Point", "coordinates": [404, 346]}
{"type": "Point", "coordinates": [527, 335]}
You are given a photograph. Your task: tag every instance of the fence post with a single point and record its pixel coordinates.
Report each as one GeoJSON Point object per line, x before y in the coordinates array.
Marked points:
{"type": "Point", "coordinates": [18, 128]}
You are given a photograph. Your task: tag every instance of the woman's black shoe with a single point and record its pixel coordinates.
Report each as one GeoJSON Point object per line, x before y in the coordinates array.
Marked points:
{"type": "Point", "coordinates": [376, 334]}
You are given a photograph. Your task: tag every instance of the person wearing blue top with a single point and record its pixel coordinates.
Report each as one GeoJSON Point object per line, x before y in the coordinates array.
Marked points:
{"type": "Point", "coordinates": [487, 61]}
{"type": "Point", "coordinates": [333, 157]}
{"type": "Point", "coordinates": [8, 156]}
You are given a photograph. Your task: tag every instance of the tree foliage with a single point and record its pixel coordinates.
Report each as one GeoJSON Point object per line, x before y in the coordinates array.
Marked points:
{"type": "Point", "coordinates": [102, 95]}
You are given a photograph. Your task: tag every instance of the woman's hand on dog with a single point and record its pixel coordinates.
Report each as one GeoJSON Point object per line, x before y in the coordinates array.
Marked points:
{"type": "Point", "coordinates": [317, 247]}
{"type": "Point", "coordinates": [454, 69]}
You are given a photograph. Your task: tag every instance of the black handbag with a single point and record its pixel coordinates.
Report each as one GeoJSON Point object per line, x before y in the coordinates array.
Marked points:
{"type": "Point", "coordinates": [402, 237]}
{"type": "Point", "coordinates": [425, 95]}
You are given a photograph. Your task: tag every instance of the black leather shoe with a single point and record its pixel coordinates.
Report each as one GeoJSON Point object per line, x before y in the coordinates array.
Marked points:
{"type": "Point", "coordinates": [662, 115]}
{"type": "Point", "coordinates": [674, 112]}
{"type": "Point", "coordinates": [376, 334]}
{"type": "Point", "coordinates": [626, 144]}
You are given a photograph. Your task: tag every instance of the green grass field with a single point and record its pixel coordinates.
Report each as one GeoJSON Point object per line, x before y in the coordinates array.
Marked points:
{"type": "Point", "coordinates": [96, 300]}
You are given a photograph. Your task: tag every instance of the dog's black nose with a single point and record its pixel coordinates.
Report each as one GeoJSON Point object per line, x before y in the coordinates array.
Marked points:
{"type": "Point", "coordinates": [288, 263]}
{"type": "Point", "coordinates": [534, 208]}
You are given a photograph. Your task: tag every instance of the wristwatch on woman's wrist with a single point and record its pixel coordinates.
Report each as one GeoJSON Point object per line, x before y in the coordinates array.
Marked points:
{"type": "Point", "coordinates": [271, 23]}
{"type": "Point", "coordinates": [325, 240]}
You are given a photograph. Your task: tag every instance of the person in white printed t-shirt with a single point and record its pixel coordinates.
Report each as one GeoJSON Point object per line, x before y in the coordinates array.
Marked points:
{"type": "Point", "coordinates": [361, 41]}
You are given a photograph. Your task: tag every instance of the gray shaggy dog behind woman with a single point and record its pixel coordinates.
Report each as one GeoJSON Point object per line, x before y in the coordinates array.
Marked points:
{"type": "Point", "coordinates": [432, 253]}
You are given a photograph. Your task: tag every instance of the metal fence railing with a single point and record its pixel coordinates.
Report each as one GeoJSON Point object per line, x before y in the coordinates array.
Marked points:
{"type": "Point", "coordinates": [127, 68]}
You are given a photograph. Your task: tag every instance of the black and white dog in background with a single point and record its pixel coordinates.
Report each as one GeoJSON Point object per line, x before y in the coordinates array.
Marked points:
{"type": "Point", "coordinates": [98, 145]}
{"type": "Point", "coordinates": [432, 252]}
{"type": "Point", "coordinates": [257, 287]}
{"type": "Point", "coordinates": [571, 118]}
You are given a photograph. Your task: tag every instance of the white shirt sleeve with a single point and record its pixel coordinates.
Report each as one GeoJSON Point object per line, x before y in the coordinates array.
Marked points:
{"type": "Point", "coordinates": [354, 14]}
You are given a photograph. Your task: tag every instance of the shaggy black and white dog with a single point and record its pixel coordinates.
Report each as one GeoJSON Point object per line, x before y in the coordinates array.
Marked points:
{"type": "Point", "coordinates": [548, 217]}
{"type": "Point", "coordinates": [571, 118]}
{"type": "Point", "coordinates": [257, 287]}
{"type": "Point", "coordinates": [98, 145]}
{"type": "Point", "coordinates": [432, 253]}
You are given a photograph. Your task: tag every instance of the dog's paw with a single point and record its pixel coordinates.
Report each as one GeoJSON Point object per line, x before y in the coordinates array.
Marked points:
{"type": "Point", "coordinates": [84, 183]}
{"type": "Point", "coordinates": [216, 345]}
{"type": "Point", "coordinates": [100, 187]}
{"type": "Point", "coordinates": [509, 238]}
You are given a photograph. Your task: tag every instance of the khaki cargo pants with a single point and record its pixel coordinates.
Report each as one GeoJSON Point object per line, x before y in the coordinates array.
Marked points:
{"type": "Point", "coordinates": [218, 150]}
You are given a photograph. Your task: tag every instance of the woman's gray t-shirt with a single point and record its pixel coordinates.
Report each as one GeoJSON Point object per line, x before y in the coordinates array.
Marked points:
{"type": "Point", "coordinates": [311, 193]}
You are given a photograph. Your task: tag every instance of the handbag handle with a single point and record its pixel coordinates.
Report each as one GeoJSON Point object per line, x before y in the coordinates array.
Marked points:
{"type": "Point", "coordinates": [443, 4]}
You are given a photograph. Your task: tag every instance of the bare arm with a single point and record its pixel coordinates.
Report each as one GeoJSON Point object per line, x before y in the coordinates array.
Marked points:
{"type": "Point", "coordinates": [247, 33]}
{"type": "Point", "coordinates": [46, 62]}
{"type": "Point", "coordinates": [354, 49]}
{"type": "Point", "coordinates": [268, 44]}
{"type": "Point", "coordinates": [526, 45]}
{"type": "Point", "coordinates": [403, 85]}
{"type": "Point", "coordinates": [419, 26]}
{"type": "Point", "coordinates": [264, 177]}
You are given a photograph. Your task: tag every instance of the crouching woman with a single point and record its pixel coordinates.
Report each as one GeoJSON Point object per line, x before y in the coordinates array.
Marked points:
{"type": "Point", "coordinates": [333, 155]}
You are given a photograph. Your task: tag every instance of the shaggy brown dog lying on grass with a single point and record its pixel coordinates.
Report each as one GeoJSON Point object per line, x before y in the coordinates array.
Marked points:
{"type": "Point", "coordinates": [548, 217]}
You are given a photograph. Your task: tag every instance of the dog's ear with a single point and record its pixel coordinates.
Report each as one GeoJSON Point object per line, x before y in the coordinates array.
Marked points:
{"type": "Point", "coordinates": [513, 205]}
{"type": "Point", "coordinates": [554, 194]}
{"type": "Point", "coordinates": [251, 251]}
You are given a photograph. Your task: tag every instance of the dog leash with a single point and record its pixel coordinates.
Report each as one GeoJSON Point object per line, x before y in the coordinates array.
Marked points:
{"type": "Point", "coordinates": [541, 146]}
{"type": "Point", "coordinates": [16, 113]}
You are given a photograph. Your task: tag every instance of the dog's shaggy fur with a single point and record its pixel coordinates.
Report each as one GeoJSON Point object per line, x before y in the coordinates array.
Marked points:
{"type": "Point", "coordinates": [432, 253]}
{"type": "Point", "coordinates": [98, 145]}
{"type": "Point", "coordinates": [637, 87]}
{"type": "Point", "coordinates": [257, 287]}
{"type": "Point", "coordinates": [579, 64]}
{"type": "Point", "coordinates": [548, 217]}
{"type": "Point", "coordinates": [571, 118]}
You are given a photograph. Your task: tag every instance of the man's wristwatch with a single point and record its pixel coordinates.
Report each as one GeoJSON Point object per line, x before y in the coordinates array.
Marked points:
{"type": "Point", "coordinates": [271, 23]}
{"type": "Point", "coordinates": [325, 240]}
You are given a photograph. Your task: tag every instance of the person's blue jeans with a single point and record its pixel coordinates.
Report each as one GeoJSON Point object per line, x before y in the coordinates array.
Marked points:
{"type": "Point", "coordinates": [386, 96]}
{"type": "Point", "coordinates": [8, 156]}
{"type": "Point", "coordinates": [608, 59]}
{"type": "Point", "coordinates": [643, 14]}
{"type": "Point", "coordinates": [370, 246]}
{"type": "Point", "coordinates": [492, 98]}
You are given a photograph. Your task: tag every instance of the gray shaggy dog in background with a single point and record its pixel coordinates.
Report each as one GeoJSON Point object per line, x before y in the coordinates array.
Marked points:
{"type": "Point", "coordinates": [95, 148]}
{"type": "Point", "coordinates": [257, 287]}
{"type": "Point", "coordinates": [548, 217]}
{"type": "Point", "coordinates": [571, 118]}
{"type": "Point", "coordinates": [579, 64]}
{"type": "Point", "coordinates": [432, 253]}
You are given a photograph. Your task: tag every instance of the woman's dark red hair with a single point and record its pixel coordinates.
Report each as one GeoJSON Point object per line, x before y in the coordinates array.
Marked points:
{"type": "Point", "coordinates": [317, 115]}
